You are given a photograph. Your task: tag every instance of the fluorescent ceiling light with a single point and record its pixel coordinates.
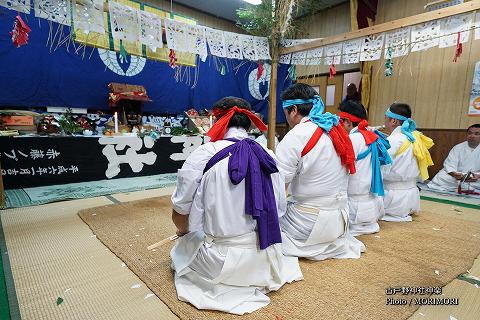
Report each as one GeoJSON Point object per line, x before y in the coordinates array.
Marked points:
{"type": "Point", "coordinates": [253, 1]}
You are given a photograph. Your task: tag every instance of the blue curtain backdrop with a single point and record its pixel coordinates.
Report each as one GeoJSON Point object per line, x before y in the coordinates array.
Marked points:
{"type": "Point", "coordinates": [36, 76]}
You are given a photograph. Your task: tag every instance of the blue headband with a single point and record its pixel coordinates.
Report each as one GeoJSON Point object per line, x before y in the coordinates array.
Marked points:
{"type": "Point", "coordinates": [408, 125]}
{"type": "Point", "coordinates": [324, 120]}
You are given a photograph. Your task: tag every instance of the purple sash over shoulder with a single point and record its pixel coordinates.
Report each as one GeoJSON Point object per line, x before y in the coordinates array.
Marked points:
{"type": "Point", "coordinates": [248, 160]}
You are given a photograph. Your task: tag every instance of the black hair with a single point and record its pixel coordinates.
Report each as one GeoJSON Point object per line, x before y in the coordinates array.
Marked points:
{"type": "Point", "coordinates": [239, 119]}
{"type": "Point", "coordinates": [299, 91]}
{"type": "Point", "coordinates": [476, 125]}
{"type": "Point", "coordinates": [354, 108]}
{"type": "Point", "coordinates": [402, 109]}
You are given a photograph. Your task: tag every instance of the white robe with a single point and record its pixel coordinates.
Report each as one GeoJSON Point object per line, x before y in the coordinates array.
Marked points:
{"type": "Point", "coordinates": [461, 159]}
{"type": "Point", "coordinates": [218, 264]}
{"type": "Point", "coordinates": [315, 225]}
{"type": "Point", "coordinates": [402, 197]}
{"type": "Point", "coordinates": [365, 208]}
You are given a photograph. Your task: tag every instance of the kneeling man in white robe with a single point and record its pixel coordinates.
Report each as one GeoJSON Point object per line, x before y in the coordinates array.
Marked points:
{"type": "Point", "coordinates": [411, 159]}
{"type": "Point", "coordinates": [315, 157]}
{"type": "Point", "coordinates": [226, 207]}
{"type": "Point", "coordinates": [365, 187]}
{"type": "Point", "coordinates": [463, 158]}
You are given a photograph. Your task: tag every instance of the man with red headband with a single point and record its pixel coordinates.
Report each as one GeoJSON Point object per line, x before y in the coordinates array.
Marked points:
{"type": "Point", "coordinates": [365, 187]}
{"type": "Point", "coordinates": [315, 157]}
{"type": "Point", "coordinates": [226, 206]}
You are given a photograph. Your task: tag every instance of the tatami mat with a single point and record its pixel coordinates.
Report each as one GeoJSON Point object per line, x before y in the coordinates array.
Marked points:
{"type": "Point", "coordinates": [54, 254]}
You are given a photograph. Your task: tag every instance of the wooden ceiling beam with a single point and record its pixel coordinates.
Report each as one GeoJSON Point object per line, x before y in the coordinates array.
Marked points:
{"type": "Point", "coordinates": [387, 26]}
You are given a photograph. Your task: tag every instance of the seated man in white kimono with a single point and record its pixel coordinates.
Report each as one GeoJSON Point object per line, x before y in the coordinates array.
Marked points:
{"type": "Point", "coordinates": [411, 158]}
{"type": "Point", "coordinates": [365, 187]}
{"type": "Point", "coordinates": [463, 158]}
{"type": "Point", "coordinates": [226, 206]}
{"type": "Point", "coordinates": [315, 157]}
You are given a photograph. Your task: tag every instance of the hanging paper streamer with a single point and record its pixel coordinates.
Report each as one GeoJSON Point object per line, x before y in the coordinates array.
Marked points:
{"type": "Point", "coordinates": [292, 73]}
{"type": "Point", "coordinates": [263, 48]}
{"type": "Point", "coordinates": [88, 16]}
{"type": "Point", "coordinates": [333, 54]}
{"type": "Point", "coordinates": [314, 57]}
{"type": "Point", "coordinates": [450, 26]}
{"type": "Point", "coordinates": [259, 70]}
{"type": "Point", "coordinates": [425, 35]}
{"type": "Point", "coordinates": [124, 22]}
{"type": "Point", "coordinates": [123, 53]}
{"type": "Point", "coordinates": [233, 42]}
{"type": "Point", "coordinates": [372, 47]}
{"type": "Point", "coordinates": [172, 59]}
{"type": "Point", "coordinates": [333, 71]}
{"type": "Point", "coordinates": [459, 49]}
{"type": "Point", "coordinates": [351, 51]}
{"type": "Point", "coordinates": [248, 47]}
{"type": "Point", "coordinates": [389, 63]}
{"type": "Point", "coordinates": [398, 42]}
{"type": "Point", "coordinates": [16, 5]}
{"type": "Point", "coordinates": [150, 30]}
{"type": "Point", "coordinates": [216, 42]}
{"type": "Point", "coordinates": [196, 40]}
{"type": "Point", "coordinates": [20, 32]}
{"type": "Point", "coordinates": [58, 11]}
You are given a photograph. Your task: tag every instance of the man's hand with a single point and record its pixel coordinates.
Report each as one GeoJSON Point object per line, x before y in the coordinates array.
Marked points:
{"type": "Point", "coordinates": [457, 175]}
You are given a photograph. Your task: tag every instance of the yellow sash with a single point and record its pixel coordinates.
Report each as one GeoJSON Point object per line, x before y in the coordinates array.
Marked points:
{"type": "Point", "coordinates": [420, 151]}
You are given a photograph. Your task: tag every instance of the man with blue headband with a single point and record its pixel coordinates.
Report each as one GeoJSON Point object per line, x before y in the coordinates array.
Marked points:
{"type": "Point", "coordinates": [315, 158]}
{"type": "Point", "coordinates": [365, 187]}
{"type": "Point", "coordinates": [411, 159]}
{"type": "Point", "coordinates": [226, 207]}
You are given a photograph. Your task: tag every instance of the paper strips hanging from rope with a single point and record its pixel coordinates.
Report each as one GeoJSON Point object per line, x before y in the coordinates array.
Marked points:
{"type": "Point", "coordinates": [332, 54]}
{"type": "Point", "coordinates": [20, 32]}
{"type": "Point", "coordinates": [351, 51]}
{"type": "Point", "coordinates": [16, 5]}
{"type": "Point", "coordinates": [123, 22]}
{"type": "Point", "coordinates": [216, 42]}
{"type": "Point", "coordinates": [150, 30]}
{"type": "Point", "coordinates": [233, 43]}
{"type": "Point", "coordinates": [451, 26]}
{"type": "Point", "coordinates": [175, 34]}
{"type": "Point", "coordinates": [196, 40]}
{"type": "Point", "coordinates": [248, 47]}
{"type": "Point", "coordinates": [372, 47]}
{"type": "Point", "coordinates": [54, 10]}
{"type": "Point", "coordinates": [425, 36]}
{"type": "Point", "coordinates": [88, 16]}
{"type": "Point", "coordinates": [398, 42]}
{"type": "Point", "coordinates": [314, 57]}
{"type": "Point", "coordinates": [263, 48]}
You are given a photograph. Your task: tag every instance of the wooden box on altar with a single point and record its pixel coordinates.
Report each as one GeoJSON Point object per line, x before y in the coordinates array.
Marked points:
{"type": "Point", "coordinates": [127, 100]}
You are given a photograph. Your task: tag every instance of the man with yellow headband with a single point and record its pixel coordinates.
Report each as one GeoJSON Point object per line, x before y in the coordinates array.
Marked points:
{"type": "Point", "coordinates": [409, 152]}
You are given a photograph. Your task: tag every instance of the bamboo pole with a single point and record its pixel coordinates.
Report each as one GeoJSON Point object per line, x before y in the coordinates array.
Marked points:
{"type": "Point", "coordinates": [272, 106]}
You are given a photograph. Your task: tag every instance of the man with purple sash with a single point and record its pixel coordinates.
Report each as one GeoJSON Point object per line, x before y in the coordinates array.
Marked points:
{"type": "Point", "coordinates": [226, 207]}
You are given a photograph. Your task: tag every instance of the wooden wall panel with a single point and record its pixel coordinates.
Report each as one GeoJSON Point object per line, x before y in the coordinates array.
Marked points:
{"type": "Point", "coordinates": [436, 88]}
{"type": "Point", "coordinates": [203, 19]}
{"type": "Point", "coordinates": [445, 140]}
{"type": "Point", "coordinates": [323, 24]}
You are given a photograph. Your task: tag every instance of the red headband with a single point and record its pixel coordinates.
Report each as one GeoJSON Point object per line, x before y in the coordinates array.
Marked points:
{"type": "Point", "coordinates": [351, 117]}
{"type": "Point", "coordinates": [217, 131]}
{"type": "Point", "coordinates": [369, 136]}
